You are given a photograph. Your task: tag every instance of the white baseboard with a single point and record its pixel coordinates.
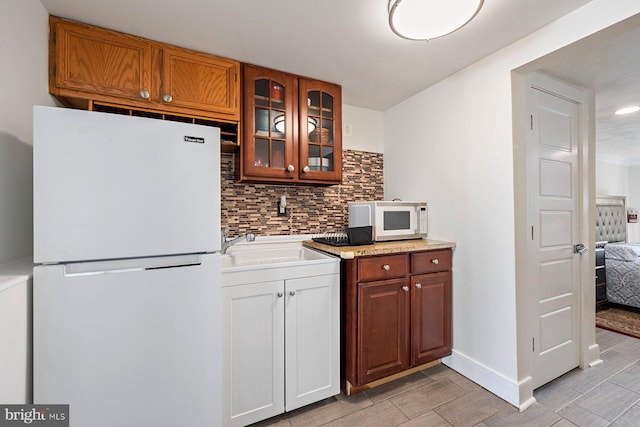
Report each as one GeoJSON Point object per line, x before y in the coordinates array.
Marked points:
{"type": "Point", "coordinates": [498, 384]}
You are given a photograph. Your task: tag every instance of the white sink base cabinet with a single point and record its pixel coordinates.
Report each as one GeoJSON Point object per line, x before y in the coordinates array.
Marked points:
{"type": "Point", "coordinates": [281, 342]}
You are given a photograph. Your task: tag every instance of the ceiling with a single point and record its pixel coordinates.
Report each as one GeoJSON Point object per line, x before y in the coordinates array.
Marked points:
{"type": "Point", "coordinates": [349, 42]}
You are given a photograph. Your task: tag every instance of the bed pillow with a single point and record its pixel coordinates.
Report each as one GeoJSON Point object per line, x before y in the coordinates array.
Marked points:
{"type": "Point", "coordinates": [622, 251]}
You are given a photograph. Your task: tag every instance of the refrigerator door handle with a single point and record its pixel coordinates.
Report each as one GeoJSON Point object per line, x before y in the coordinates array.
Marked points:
{"type": "Point", "coordinates": [129, 265]}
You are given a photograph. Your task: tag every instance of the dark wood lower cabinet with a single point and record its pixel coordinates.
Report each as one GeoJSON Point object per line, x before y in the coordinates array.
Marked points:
{"type": "Point", "coordinates": [430, 317]}
{"type": "Point", "coordinates": [396, 314]}
{"type": "Point", "coordinates": [383, 336]}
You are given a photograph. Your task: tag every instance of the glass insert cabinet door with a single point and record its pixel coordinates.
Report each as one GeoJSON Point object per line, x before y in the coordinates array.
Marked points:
{"type": "Point", "coordinates": [320, 130]}
{"type": "Point", "coordinates": [268, 123]}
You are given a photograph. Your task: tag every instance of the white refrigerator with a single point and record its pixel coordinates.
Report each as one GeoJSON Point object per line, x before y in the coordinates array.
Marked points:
{"type": "Point", "coordinates": [127, 287]}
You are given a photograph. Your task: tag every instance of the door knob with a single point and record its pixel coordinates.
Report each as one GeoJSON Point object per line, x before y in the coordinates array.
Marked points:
{"type": "Point", "coordinates": [167, 98]}
{"type": "Point", "coordinates": [405, 288]}
{"type": "Point", "coordinates": [144, 94]}
{"type": "Point", "coordinates": [280, 294]}
{"type": "Point", "coordinates": [292, 293]}
{"type": "Point", "coordinates": [291, 168]}
{"type": "Point", "coordinates": [419, 285]}
{"type": "Point", "coordinates": [580, 249]}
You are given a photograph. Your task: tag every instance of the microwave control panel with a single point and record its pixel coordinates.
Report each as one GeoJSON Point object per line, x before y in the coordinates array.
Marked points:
{"type": "Point", "coordinates": [423, 220]}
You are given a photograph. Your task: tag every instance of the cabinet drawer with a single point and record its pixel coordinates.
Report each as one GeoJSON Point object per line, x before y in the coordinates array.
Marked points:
{"type": "Point", "coordinates": [601, 275]}
{"type": "Point", "coordinates": [430, 261]}
{"type": "Point", "coordinates": [383, 267]}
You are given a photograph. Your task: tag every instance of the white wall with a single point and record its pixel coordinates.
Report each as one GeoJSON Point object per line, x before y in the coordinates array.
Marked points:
{"type": "Point", "coordinates": [367, 130]}
{"type": "Point", "coordinates": [612, 179]}
{"type": "Point", "coordinates": [452, 145]}
{"type": "Point", "coordinates": [24, 35]}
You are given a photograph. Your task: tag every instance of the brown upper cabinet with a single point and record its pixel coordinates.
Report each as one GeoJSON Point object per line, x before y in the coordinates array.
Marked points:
{"type": "Point", "coordinates": [91, 63]}
{"type": "Point", "coordinates": [292, 129]}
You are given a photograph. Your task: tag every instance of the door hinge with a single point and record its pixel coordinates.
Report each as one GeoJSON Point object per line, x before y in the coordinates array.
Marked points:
{"type": "Point", "coordinates": [533, 344]}
{"type": "Point", "coordinates": [532, 122]}
{"type": "Point", "coordinates": [54, 37]}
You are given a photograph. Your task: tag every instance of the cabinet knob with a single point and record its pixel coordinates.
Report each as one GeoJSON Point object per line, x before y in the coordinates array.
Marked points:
{"type": "Point", "coordinates": [291, 168]}
{"type": "Point", "coordinates": [292, 293]}
{"type": "Point", "coordinates": [167, 98]}
{"type": "Point", "coordinates": [435, 261]}
{"type": "Point", "coordinates": [405, 288]}
{"type": "Point", "coordinates": [419, 285]}
{"type": "Point", "coordinates": [386, 267]}
{"type": "Point", "coordinates": [144, 94]}
{"type": "Point", "coordinates": [305, 169]}
{"type": "Point", "coordinates": [280, 294]}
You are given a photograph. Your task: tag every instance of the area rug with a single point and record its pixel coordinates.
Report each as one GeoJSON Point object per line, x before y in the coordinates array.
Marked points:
{"type": "Point", "coordinates": [617, 320]}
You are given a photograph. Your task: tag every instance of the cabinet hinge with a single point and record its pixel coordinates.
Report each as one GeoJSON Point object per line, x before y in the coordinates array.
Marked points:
{"type": "Point", "coordinates": [533, 344]}
{"type": "Point", "coordinates": [54, 71]}
{"type": "Point", "coordinates": [54, 37]}
{"type": "Point", "coordinates": [532, 122]}
{"type": "Point", "coordinates": [532, 232]}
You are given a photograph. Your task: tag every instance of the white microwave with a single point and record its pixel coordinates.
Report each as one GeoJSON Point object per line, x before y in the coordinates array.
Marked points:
{"type": "Point", "coordinates": [390, 220]}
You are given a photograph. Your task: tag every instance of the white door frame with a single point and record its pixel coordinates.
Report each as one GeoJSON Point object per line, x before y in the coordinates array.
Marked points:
{"type": "Point", "coordinates": [525, 306]}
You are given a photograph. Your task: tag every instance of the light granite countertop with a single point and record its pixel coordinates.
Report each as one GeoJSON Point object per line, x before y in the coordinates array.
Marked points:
{"type": "Point", "coordinates": [380, 248]}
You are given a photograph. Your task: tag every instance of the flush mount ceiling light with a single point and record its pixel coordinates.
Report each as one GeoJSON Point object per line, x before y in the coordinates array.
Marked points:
{"type": "Point", "coordinates": [423, 20]}
{"type": "Point", "coordinates": [628, 110]}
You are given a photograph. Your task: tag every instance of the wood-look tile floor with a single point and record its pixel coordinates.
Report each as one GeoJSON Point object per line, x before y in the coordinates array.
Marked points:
{"type": "Point", "coordinates": [605, 395]}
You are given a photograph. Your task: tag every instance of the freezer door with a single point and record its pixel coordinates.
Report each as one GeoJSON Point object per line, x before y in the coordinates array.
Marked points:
{"type": "Point", "coordinates": [111, 186]}
{"type": "Point", "coordinates": [128, 346]}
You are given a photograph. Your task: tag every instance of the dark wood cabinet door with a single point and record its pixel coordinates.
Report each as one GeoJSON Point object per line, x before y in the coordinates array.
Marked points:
{"type": "Point", "coordinates": [430, 317]}
{"type": "Point", "coordinates": [320, 138]}
{"type": "Point", "coordinates": [268, 150]}
{"type": "Point", "coordinates": [383, 329]}
{"type": "Point", "coordinates": [89, 60]}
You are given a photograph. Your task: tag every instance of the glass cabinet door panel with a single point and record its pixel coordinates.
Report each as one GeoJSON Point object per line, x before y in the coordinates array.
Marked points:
{"type": "Point", "coordinates": [313, 101]}
{"type": "Point", "coordinates": [278, 124]}
{"type": "Point", "coordinates": [276, 94]}
{"type": "Point", "coordinates": [277, 154]}
{"type": "Point", "coordinates": [327, 105]}
{"type": "Point", "coordinates": [262, 92]}
{"type": "Point", "coordinates": [261, 122]}
{"type": "Point", "coordinates": [327, 158]}
{"type": "Point", "coordinates": [327, 131]}
{"type": "Point", "coordinates": [261, 155]}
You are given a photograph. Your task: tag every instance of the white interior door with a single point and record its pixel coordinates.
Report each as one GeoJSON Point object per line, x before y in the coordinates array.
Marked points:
{"type": "Point", "coordinates": [554, 215]}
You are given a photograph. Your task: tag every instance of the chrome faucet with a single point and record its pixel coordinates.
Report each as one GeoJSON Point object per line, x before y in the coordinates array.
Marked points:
{"type": "Point", "coordinates": [249, 237]}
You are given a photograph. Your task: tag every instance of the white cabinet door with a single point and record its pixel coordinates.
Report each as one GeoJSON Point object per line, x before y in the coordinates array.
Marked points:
{"type": "Point", "coordinates": [253, 352]}
{"type": "Point", "coordinates": [313, 339]}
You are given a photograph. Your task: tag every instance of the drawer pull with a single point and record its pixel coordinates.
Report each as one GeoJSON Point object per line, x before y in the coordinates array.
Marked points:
{"type": "Point", "coordinates": [435, 261]}
{"type": "Point", "coordinates": [405, 288]}
{"type": "Point", "coordinates": [419, 285]}
{"type": "Point", "coordinates": [280, 294]}
{"type": "Point", "coordinates": [386, 267]}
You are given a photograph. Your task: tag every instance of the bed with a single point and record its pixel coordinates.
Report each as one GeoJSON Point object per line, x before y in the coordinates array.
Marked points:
{"type": "Point", "coordinates": [621, 259]}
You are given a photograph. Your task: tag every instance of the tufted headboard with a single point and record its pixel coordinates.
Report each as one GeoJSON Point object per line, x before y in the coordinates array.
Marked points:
{"type": "Point", "coordinates": [611, 219]}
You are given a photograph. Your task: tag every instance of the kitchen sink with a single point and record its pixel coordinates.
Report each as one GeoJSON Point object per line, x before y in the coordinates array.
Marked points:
{"type": "Point", "coordinates": [256, 255]}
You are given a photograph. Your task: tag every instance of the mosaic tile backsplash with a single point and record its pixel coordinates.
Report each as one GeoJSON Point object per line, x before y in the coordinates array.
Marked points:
{"type": "Point", "coordinates": [312, 210]}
